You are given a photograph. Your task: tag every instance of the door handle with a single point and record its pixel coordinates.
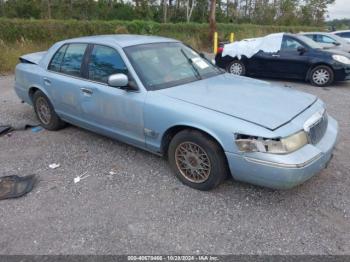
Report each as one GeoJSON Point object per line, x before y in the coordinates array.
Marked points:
{"type": "Point", "coordinates": [276, 55]}
{"type": "Point", "coordinates": [86, 91]}
{"type": "Point", "coordinates": [47, 82]}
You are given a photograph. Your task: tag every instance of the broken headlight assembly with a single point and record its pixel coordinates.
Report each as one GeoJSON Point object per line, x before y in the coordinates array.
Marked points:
{"type": "Point", "coordinates": [285, 145]}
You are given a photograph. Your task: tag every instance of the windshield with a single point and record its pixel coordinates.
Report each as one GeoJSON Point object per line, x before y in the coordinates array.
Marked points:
{"type": "Point", "coordinates": [164, 65]}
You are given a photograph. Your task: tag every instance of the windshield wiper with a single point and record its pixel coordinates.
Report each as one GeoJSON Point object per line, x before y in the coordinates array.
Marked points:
{"type": "Point", "coordinates": [198, 75]}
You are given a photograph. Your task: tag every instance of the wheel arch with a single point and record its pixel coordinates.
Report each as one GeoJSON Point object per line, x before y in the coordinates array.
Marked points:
{"type": "Point", "coordinates": [244, 60]}
{"type": "Point", "coordinates": [172, 131]}
{"type": "Point", "coordinates": [35, 88]}
{"type": "Point", "coordinates": [313, 66]}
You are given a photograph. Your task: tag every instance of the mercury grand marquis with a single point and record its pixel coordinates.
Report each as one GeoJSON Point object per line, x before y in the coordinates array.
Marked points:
{"type": "Point", "coordinates": [162, 96]}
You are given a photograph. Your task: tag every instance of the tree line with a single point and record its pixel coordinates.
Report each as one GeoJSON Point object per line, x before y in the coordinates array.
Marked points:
{"type": "Point", "coordinates": [267, 12]}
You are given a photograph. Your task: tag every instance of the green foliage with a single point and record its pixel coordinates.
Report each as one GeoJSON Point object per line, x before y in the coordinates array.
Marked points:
{"type": "Point", "coordinates": [339, 24]}
{"type": "Point", "coordinates": [11, 30]}
{"type": "Point", "coordinates": [280, 12]}
{"type": "Point", "coordinates": [19, 36]}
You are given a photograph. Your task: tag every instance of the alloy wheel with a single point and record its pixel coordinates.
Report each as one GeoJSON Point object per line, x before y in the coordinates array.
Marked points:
{"type": "Point", "coordinates": [192, 162]}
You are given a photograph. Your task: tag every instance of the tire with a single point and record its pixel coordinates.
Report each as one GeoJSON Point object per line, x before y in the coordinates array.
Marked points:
{"type": "Point", "coordinates": [203, 173]}
{"type": "Point", "coordinates": [45, 112]}
{"type": "Point", "coordinates": [236, 67]}
{"type": "Point", "coordinates": [322, 76]}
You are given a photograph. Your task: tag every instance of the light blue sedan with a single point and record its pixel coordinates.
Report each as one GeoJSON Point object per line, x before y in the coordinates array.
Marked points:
{"type": "Point", "coordinates": [162, 96]}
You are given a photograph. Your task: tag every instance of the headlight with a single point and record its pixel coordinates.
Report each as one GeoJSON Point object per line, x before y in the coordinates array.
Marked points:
{"type": "Point", "coordinates": [273, 146]}
{"type": "Point", "coordinates": [341, 59]}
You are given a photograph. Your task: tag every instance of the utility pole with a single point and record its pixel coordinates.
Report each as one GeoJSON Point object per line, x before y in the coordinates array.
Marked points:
{"type": "Point", "coordinates": [212, 19]}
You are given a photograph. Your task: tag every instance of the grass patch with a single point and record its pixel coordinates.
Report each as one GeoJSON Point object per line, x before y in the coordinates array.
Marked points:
{"type": "Point", "coordinates": [10, 52]}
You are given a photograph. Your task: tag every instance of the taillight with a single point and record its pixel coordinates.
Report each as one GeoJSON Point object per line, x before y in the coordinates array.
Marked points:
{"type": "Point", "coordinates": [219, 50]}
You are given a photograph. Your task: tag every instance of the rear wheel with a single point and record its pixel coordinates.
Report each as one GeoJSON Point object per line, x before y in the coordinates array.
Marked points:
{"type": "Point", "coordinates": [46, 113]}
{"type": "Point", "coordinates": [322, 76]}
{"type": "Point", "coordinates": [198, 161]}
{"type": "Point", "coordinates": [236, 67]}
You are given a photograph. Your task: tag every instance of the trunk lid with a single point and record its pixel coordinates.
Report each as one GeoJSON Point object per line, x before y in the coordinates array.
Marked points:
{"type": "Point", "coordinates": [32, 58]}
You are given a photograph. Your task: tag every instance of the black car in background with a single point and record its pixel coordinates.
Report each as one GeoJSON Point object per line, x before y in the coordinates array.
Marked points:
{"type": "Point", "coordinates": [299, 58]}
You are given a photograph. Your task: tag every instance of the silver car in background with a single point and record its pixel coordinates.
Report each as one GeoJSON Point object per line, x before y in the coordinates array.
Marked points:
{"type": "Point", "coordinates": [345, 34]}
{"type": "Point", "coordinates": [329, 41]}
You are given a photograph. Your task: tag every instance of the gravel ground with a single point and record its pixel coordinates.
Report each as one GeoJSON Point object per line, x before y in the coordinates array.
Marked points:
{"type": "Point", "coordinates": [144, 209]}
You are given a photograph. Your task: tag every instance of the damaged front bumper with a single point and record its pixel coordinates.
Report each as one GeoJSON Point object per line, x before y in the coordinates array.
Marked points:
{"type": "Point", "coordinates": [285, 171]}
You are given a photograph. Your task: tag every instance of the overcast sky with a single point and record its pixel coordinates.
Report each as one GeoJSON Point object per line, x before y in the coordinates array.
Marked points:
{"type": "Point", "coordinates": [341, 9]}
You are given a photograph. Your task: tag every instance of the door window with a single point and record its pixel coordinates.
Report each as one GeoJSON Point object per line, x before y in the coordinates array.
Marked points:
{"type": "Point", "coordinates": [73, 58]}
{"type": "Point", "coordinates": [55, 64]}
{"type": "Point", "coordinates": [290, 44]}
{"type": "Point", "coordinates": [324, 39]}
{"type": "Point", "coordinates": [105, 61]}
{"type": "Point", "coordinates": [346, 34]}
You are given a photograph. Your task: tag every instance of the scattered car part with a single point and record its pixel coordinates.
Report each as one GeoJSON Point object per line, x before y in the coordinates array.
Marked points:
{"type": "Point", "coordinates": [5, 129]}
{"type": "Point", "coordinates": [54, 166]}
{"type": "Point", "coordinates": [81, 177]}
{"type": "Point", "coordinates": [15, 186]}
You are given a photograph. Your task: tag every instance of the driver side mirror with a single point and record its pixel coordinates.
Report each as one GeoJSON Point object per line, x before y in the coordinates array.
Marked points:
{"type": "Point", "coordinates": [120, 81]}
{"type": "Point", "coordinates": [336, 43]}
{"type": "Point", "coordinates": [301, 50]}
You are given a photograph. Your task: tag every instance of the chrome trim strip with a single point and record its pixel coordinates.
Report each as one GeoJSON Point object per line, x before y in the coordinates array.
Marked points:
{"type": "Point", "coordinates": [282, 165]}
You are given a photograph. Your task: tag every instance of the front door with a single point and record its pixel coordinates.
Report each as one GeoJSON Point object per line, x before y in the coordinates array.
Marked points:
{"type": "Point", "coordinates": [114, 111]}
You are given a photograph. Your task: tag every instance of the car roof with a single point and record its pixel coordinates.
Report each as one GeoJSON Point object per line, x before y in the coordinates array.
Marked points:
{"type": "Point", "coordinates": [122, 40]}
{"type": "Point", "coordinates": [341, 31]}
{"type": "Point", "coordinates": [314, 33]}
{"type": "Point", "coordinates": [334, 36]}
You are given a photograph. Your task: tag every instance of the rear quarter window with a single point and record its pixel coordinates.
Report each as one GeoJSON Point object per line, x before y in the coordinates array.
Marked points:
{"type": "Point", "coordinates": [55, 64]}
{"type": "Point", "coordinates": [73, 59]}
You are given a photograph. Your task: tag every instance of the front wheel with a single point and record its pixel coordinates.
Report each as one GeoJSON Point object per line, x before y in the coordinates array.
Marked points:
{"type": "Point", "coordinates": [236, 67]}
{"type": "Point", "coordinates": [198, 161]}
{"type": "Point", "coordinates": [322, 76]}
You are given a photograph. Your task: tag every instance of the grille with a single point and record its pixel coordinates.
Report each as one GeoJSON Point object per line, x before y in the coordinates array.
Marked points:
{"type": "Point", "coordinates": [318, 130]}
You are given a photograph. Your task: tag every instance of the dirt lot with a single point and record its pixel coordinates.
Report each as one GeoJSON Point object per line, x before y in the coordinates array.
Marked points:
{"type": "Point", "coordinates": [144, 209]}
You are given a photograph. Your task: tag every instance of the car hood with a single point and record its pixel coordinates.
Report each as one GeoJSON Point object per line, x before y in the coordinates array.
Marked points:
{"type": "Point", "coordinates": [342, 48]}
{"type": "Point", "coordinates": [255, 101]}
{"type": "Point", "coordinates": [337, 52]}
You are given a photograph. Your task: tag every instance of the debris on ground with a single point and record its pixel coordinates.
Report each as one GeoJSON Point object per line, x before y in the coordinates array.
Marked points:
{"type": "Point", "coordinates": [15, 186]}
{"type": "Point", "coordinates": [54, 166]}
{"type": "Point", "coordinates": [37, 129]}
{"type": "Point", "coordinates": [79, 178]}
{"type": "Point", "coordinates": [112, 172]}
{"type": "Point", "coordinates": [25, 126]}
{"type": "Point", "coordinates": [5, 129]}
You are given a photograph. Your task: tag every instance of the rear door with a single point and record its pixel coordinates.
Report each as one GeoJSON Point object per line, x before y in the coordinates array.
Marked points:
{"type": "Point", "coordinates": [64, 80]}
{"type": "Point", "coordinates": [260, 64]}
